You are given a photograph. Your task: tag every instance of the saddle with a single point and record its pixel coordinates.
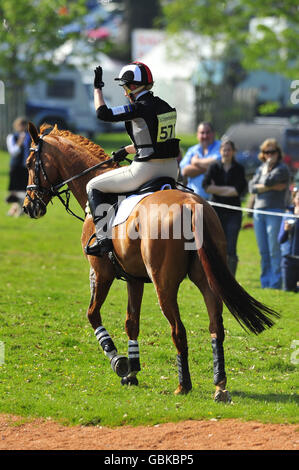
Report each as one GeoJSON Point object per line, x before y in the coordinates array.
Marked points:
{"type": "Point", "coordinates": [156, 184]}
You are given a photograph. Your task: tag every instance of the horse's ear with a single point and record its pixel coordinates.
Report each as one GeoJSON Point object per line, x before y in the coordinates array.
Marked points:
{"type": "Point", "coordinates": [33, 132]}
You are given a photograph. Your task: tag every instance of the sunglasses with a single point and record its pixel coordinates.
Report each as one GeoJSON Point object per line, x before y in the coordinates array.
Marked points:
{"type": "Point", "coordinates": [269, 152]}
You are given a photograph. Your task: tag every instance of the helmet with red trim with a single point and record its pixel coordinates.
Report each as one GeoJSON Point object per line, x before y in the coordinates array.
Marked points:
{"type": "Point", "coordinates": [136, 73]}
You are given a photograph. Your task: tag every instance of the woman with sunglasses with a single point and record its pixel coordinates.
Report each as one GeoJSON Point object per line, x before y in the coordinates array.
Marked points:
{"type": "Point", "coordinates": [270, 187]}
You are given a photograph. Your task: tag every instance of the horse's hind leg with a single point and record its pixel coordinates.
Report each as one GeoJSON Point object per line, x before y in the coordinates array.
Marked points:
{"type": "Point", "coordinates": [99, 286]}
{"type": "Point", "coordinates": [167, 295]}
{"type": "Point", "coordinates": [135, 293]}
{"type": "Point", "coordinates": [214, 306]}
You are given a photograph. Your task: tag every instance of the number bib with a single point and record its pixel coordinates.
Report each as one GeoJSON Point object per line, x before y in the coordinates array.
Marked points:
{"type": "Point", "coordinates": [166, 126]}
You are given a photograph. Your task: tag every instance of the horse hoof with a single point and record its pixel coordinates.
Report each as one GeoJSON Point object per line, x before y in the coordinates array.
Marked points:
{"type": "Point", "coordinates": [222, 396]}
{"type": "Point", "coordinates": [129, 381]}
{"type": "Point", "coordinates": [120, 365]}
{"type": "Point", "coordinates": [182, 390]}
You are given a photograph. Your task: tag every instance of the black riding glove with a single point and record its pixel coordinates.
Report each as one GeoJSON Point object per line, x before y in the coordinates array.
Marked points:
{"type": "Point", "coordinates": [119, 155]}
{"type": "Point", "coordinates": [98, 78]}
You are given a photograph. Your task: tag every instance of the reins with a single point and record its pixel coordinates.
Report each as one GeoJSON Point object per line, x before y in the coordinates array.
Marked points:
{"type": "Point", "coordinates": [53, 191]}
{"type": "Point", "coordinates": [67, 191]}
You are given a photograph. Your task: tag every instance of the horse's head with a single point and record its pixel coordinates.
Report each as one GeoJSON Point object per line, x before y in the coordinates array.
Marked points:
{"type": "Point", "coordinates": [42, 173]}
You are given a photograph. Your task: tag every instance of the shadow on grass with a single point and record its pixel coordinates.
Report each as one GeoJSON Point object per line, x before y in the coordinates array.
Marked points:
{"type": "Point", "coordinates": [268, 397]}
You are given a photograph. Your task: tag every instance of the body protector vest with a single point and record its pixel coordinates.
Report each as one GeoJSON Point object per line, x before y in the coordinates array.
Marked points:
{"type": "Point", "coordinates": [150, 123]}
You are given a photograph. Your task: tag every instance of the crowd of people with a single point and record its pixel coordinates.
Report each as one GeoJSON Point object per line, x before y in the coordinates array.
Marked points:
{"type": "Point", "coordinates": [210, 169]}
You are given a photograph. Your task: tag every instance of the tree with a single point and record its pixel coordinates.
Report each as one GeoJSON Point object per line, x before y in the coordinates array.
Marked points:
{"type": "Point", "coordinates": [265, 31]}
{"type": "Point", "coordinates": [29, 34]}
{"type": "Point", "coordinates": [138, 14]}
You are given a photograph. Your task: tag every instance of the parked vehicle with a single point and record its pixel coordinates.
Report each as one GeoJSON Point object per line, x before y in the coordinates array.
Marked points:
{"type": "Point", "coordinates": [248, 137]}
{"type": "Point", "coordinates": [66, 99]}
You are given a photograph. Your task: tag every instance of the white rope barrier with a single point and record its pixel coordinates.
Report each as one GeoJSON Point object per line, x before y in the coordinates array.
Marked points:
{"type": "Point", "coordinates": [258, 211]}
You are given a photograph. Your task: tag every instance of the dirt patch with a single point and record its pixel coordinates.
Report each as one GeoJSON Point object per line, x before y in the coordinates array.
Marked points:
{"type": "Point", "coordinates": [228, 434]}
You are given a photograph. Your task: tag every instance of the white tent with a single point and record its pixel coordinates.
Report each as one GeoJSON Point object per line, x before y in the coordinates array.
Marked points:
{"type": "Point", "coordinates": [175, 69]}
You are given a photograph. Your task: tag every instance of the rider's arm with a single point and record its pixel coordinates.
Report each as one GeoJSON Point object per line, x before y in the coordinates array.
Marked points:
{"type": "Point", "coordinates": [227, 191]}
{"type": "Point", "coordinates": [98, 98]}
{"type": "Point", "coordinates": [115, 114]}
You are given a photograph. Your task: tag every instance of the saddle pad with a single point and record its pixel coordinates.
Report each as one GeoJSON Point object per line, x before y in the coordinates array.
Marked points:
{"type": "Point", "coordinates": [126, 207]}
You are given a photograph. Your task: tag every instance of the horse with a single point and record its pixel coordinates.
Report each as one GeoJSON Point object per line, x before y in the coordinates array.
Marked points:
{"type": "Point", "coordinates": [60, 157]}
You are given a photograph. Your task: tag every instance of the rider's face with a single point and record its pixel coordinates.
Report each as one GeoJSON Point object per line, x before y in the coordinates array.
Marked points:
{"type": "Point", "coordinates": [128, 89]}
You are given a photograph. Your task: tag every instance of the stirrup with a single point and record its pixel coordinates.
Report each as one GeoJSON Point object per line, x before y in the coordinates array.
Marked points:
{"type": "Point", "coordinates": [99, 247]}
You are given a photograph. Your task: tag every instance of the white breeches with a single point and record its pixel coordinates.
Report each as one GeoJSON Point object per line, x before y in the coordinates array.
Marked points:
{"type": "Point", "coordinates": [129, 178]}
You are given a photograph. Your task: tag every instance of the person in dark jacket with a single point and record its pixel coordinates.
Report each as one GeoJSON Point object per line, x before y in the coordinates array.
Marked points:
{"type": "Point", "coordinates": [150, 124]}
{"type": "Point", "coordinates": [18, 146]}
{"type": "Point", "coordinates": [288, 237]}
{"type": "Point", "coordinates": [225, 180]}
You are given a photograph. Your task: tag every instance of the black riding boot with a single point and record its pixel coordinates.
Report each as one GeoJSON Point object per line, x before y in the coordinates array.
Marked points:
{"type": "Point", "coordinates": [103, 243]}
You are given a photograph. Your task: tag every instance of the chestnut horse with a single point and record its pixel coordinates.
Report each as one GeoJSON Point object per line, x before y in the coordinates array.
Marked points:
{"type": "Point", "coordinates": [60, 155]}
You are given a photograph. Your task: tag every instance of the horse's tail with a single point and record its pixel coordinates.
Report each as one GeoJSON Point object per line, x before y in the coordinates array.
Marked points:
{"type": "Point", "coordinates": [249, 312]}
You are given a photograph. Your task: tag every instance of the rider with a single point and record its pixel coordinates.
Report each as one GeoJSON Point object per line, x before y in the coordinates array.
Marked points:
{"type": "Point", "coordinates": [150, 123]}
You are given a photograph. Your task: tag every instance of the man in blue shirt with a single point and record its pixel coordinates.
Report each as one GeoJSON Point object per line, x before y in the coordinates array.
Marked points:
{"type": "Point", "coordinates": [199, 157]}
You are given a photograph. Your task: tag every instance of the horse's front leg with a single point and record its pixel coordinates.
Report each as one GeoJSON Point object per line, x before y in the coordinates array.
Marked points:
{"type": "Point", "coordinates": [135, 293]}
{"type": "Point", "coordinates": [99, 287]}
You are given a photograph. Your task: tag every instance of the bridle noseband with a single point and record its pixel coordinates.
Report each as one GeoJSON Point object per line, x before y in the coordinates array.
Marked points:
{"type": "Point", "coordinates": [53, 190]}
{"type": "Point", "coordinates": [39, 168]}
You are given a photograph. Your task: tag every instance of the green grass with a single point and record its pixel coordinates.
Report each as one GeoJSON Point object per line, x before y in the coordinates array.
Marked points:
{"type": "Point", "coordinates": [54, 367]}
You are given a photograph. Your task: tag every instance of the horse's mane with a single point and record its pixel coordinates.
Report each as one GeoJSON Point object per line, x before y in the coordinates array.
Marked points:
{"type": "Point", "coordinates": [89, 146]}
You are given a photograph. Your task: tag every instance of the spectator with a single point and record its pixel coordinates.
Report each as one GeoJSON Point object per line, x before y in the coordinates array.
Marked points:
{"type": "Point", "coordinates": [18, 145]}
{"type": "Point", "coordinates": [199, 157]}
{"type": "Point", "coordinates": [289, 239]}
{"type": "Point", "coordinates": [270, 186]}
{"type": "Point", "coordinates": [225, 180]}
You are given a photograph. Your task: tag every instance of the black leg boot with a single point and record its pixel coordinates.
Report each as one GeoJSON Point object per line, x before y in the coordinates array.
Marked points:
{"type": "Point", "coordinates": [103, 243]}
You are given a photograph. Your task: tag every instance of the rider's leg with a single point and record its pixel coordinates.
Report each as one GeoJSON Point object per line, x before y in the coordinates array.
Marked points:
{"type": "Point", "coordinates": [120, 180]}
{"type": "Point", "coordinates": [99, 208]}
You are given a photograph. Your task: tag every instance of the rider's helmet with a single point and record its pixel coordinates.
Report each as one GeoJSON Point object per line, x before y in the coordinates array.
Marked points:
{"type": "Point", "coordinates": [136, 73]}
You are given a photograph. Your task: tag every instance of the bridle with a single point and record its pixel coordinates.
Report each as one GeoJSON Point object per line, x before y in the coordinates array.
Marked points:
{"type": "Point", "coordinates": [53, 190]}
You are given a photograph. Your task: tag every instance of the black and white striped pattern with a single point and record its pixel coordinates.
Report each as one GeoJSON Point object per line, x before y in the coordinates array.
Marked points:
{"type": "Point", "coordinates": [105, 341]}
{"type": "Point", "coordinates": [133, 353]}
{"type": "Point", "coordinates": [101, 334]}
{"type": "Point", "coordinates": [133, 349]}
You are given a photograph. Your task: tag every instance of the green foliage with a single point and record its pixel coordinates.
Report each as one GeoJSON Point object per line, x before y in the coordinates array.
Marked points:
{"type": "Point", "coordinates": [273, 47]}
{"type": "Point", "coordinates": [30, 32]}
{"type": "Point", "coordinates": [54, 366]}
{"type": "Point", "coordinates": [269, 107]}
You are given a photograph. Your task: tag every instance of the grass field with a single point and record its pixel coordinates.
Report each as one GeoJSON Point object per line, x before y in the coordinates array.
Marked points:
{"type": "Point", "coordinates": [53, 366]}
